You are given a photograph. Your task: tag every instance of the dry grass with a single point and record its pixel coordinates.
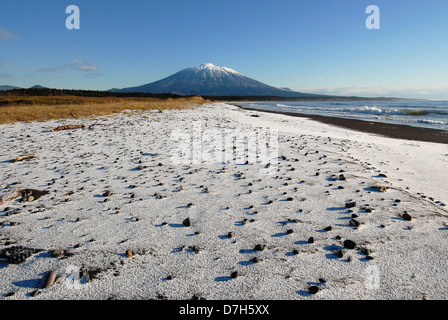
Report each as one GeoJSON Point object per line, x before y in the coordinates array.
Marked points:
{"type": "Point", "coordinates": [15, 109]}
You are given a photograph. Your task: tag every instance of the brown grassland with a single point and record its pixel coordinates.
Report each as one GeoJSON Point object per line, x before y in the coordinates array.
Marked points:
{"type": "Point", "coordinates": [41, 108]}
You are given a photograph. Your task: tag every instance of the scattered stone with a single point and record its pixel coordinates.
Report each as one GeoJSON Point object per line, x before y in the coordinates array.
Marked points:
{"type": "Point", "coordinates": [234, 274]}
{"type": "Point", "coordinates": [406, 216]}
{"type": "Point", "coordinates": [310, 240]}
{"type": "Point", "coordinates": [107, 193]}
{"type": "Point", "coordinates": [259, 247]}
{"type": "Point", "coordinates": [351, 204]}
{"type": "Point", "coordinates": [354, 223]}
{"type": "Point", "coordinates": [255, 260]}
{"type": "Point", "coordinates": [58, 253]}
{"type": "Point", "coordinates": [289, 231]}
{"type": "Point", "coordinates": [187, 222]}
{"type": "Point", "coordinates": [349, 244]}
{"type": "Point", "coordinates": [230, 235]}
{"type": "Point", "coordinates": [49, 279]}
{"type": "Point", "coordinates": [313, 289]}
{"type": "Point", "coordinates": [195, 249]}
{"type": "Point", "coordinates": [322, 280]}
{"type": "Point", "coordinates": [129, 254]}
{"type": "Point", "coordinates": [295, 251]}
{"type": "Point", "coordinates": [340, 253]}
{"type": "Point", "coordinates": [329, 228]}
{"type": "Point", "coordinates": [380, 188]}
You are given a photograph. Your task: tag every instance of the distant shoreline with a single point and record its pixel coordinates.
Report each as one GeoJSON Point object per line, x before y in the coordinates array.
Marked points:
{"type": "Point", "coordinates": [396, 131]}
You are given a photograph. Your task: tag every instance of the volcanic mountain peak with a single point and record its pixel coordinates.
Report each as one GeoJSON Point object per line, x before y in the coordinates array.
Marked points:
{"type": "Point", "coordinates": [210, 80]}
{"type": "Point", "coordinates": [209, 67]}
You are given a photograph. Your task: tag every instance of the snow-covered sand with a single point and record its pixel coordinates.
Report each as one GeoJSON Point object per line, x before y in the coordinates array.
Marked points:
{"type": "Point", "coordinates": [320, 169]}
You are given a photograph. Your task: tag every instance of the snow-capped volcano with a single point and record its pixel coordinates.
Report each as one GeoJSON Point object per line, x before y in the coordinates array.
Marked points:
{"type": "Point", "coordinates": [212, 69]}
{"type": "Point", "coordinates": [210, 80]}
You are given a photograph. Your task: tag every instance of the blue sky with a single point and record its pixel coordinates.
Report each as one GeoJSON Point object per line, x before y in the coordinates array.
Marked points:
{"type": "Point", "coordinates": [310, 46]}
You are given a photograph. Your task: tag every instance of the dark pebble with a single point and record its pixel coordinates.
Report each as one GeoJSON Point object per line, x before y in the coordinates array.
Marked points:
{"type": "Point", "coordinates": [406, 216]}
{"type": "Point", "coordinates": [187, 222]}
{"type": "Point", "coordinates": [234, 274]}
{"type": "Point", "coordinates": [259, 247]}
{"type": "Point", "coordinates": [310, 240]}
{"type": "Point", "coordinates": [354, 223]}
{"type": "Point", "coordinates": [107, 193]}
{"type": "Point", "coordinates": [350, 204]}
{"type": "Point", "coordinates": [349, 244]}
{"type": "Point", "coordinates": [254, 260]}
{"type": "Point", "coordinates": [313, 289]}
{"type": "Point", "coordinates": [328, 228]}
{"type": "Point", "coordinates": [340, 253]}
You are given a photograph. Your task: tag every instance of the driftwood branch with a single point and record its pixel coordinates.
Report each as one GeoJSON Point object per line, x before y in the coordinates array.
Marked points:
{"type": "Point", "coordinates": [27, 156]}
{"type": "Point", "coordinates": [68, 127]}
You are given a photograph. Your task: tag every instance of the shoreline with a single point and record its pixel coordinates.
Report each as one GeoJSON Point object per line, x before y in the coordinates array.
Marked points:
{"type": "Point", "coordinates": [111, 213]}
{"type": "Point", "coordinates": [396, 131]}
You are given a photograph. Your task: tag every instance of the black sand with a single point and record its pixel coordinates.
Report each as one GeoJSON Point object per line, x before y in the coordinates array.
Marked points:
{"type": "Point", "coordinates": [384, 129]}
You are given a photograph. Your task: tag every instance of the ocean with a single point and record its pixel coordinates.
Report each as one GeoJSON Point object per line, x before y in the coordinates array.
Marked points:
{"type": "Point", "coordinates": [419, 113]}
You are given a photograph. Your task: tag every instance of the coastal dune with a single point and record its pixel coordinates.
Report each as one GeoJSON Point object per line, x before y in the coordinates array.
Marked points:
{"type": "Point", "coordinates": [336, 214]}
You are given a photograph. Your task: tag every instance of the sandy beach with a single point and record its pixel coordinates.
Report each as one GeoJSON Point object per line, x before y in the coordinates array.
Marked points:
{"type": "Point", "coordinates": [338, 213]}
